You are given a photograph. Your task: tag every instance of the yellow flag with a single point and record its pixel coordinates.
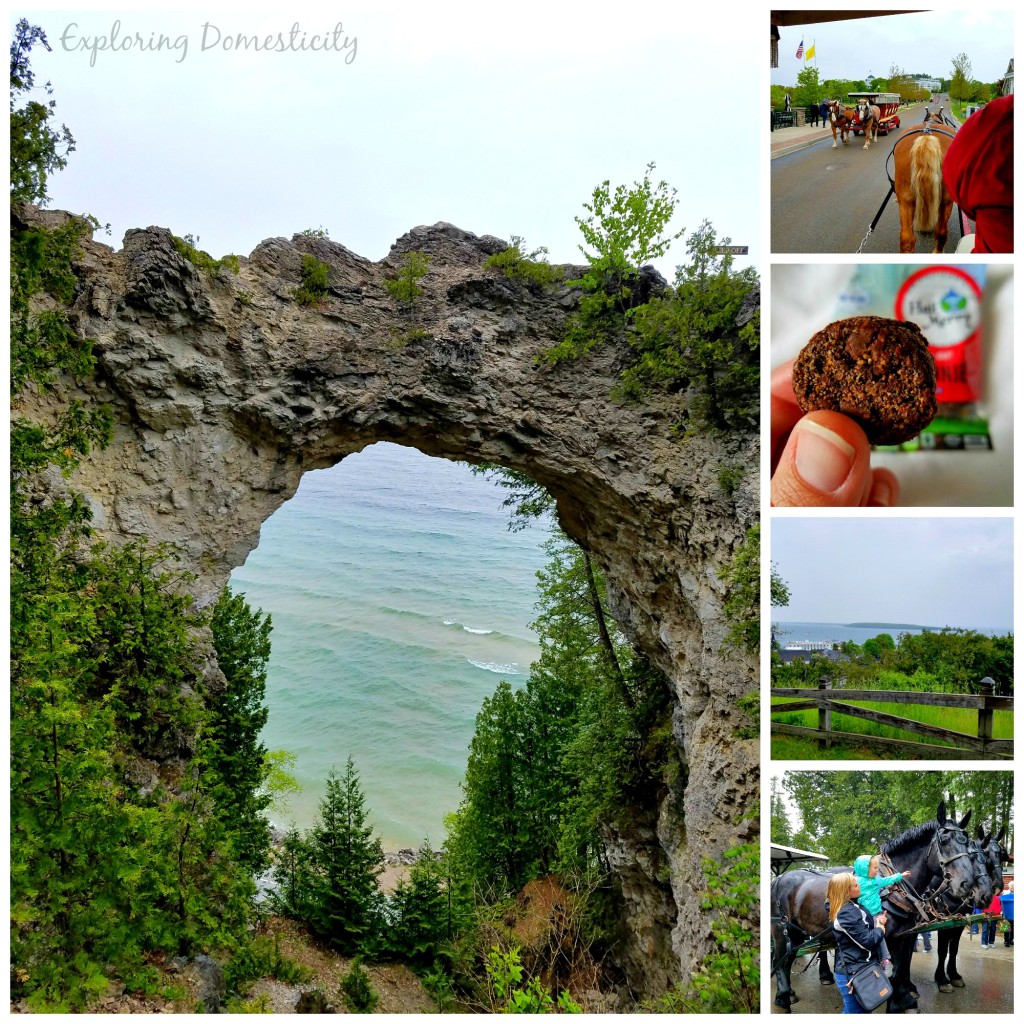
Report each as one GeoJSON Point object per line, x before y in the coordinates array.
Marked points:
{"type": "Point", "coordinates": [810, 52]}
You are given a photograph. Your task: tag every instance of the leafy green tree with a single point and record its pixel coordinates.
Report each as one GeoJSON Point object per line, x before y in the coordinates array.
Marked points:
{"type": "Point", "coordinates": [691, 339]}
{"type": "Point", "coordinates": [527, 500]}
{"type": "Point", "coordinates": [624, 230]}
{"type": "Point", "coordinates": [583, 738]}
{"type": "Point", "coordinates": [511, 995]}
{"type": "Point", "coordinates": [781, 827]}
{"type": "Point", "coordinates": [846, 814]}
{"type": "Point", "coordinates": [960, 80]}
{"type": "Point", "coordinates": [107, 864]}
{"type": "Point", "coordinates": [38, 146]}
{"type": "Point", "coordinates": [808, 87]}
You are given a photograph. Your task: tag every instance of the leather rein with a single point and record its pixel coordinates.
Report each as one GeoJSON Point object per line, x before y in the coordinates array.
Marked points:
{"type": "Point", "coordinates": [926, 904]}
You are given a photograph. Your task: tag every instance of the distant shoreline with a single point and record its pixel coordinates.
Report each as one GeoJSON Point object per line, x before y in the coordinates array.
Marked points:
{"type": "Point", "coordinates": [1002, 631]}
{"type": "Point", "coordinates": [887, 625]}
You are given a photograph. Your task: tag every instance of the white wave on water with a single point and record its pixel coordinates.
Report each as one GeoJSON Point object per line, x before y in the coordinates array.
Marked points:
{"type": "Point", "coordinates": [449, 622]}
{"type": "Point", "coordinates": [479, 632]}
{"type": "Point", "coordinates": [490, 666]}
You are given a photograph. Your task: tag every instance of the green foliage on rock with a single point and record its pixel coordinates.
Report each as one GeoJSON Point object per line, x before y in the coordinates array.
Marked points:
{"type": "Point", "coordinates": [188, 247]}
{"type": "Point", "coordinates": [728, 979]}
{"type": "Point", "coordinates": [316, 277]}
{"type": "Point", "coordinates": [405, 286]}
{"type": "Point", "coordinates": [689, 339]}
{"type": "Point", "coordinates": [518, 265]}
{"type": "Point", "coordinates": [743, 601]}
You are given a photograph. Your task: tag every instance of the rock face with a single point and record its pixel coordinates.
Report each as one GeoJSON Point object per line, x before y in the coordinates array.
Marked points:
{"type": "Point", "coordinates": [225, 391]}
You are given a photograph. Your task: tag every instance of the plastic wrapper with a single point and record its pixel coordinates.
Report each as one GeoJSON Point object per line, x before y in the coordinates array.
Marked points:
{"type": "Point", "coordinates": [946, 303]}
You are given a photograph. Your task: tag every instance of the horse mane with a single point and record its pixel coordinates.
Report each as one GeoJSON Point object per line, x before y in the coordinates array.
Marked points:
{"type": "Point", "coordinates": [911, 838]}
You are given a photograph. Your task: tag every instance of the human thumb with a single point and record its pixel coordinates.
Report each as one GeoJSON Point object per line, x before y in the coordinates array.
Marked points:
{"type": "Point", "coordinates": [826, 462]}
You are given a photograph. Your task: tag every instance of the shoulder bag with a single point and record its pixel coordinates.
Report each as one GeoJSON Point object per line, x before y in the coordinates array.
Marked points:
{"type": "Point", "coordinates": [869, 986]}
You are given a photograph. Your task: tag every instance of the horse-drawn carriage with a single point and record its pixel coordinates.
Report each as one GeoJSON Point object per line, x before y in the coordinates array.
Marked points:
{"type": "Point", "coordinates": [888, 105]}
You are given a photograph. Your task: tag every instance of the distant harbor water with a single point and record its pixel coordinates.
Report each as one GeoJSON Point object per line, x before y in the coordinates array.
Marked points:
{"type": "Point", "coordinates": [399, 600]}
{"type": "Point", "coordinates": [837, 632]}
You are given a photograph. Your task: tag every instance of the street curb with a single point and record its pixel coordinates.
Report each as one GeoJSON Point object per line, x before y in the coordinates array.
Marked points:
{"type": "Point", "coordinates": [797, 146]}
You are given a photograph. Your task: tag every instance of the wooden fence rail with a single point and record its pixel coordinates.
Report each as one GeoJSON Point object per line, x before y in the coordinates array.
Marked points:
{"type": "Point", "coordinates": [827, 700]}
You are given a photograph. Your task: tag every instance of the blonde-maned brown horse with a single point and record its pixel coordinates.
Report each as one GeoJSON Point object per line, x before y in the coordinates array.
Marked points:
{"type": "Point", "coordinates": [868, 116]}
{"type": "Point", "coordinates": [924, 201]}
{"type": "Point", "coordinates": [841, 120]}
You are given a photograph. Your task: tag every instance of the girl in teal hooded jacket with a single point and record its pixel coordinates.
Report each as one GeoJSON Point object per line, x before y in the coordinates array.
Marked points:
{"type": "Point", "coordinates": [866, 870]}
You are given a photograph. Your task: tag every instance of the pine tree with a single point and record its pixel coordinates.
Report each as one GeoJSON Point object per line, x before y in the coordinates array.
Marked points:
{"type": "Point", "coordinates": [241, 636]}
{"type": "Point", "coordinates": [345, 859]}
{"type": "Point", "coordinates": [421, 911]}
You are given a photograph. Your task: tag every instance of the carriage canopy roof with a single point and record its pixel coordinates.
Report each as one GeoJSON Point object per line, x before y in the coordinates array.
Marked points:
{"type": "Point", "coordinates": [885, 97]}
{"type": "Point", "coordinates": [783, 856]}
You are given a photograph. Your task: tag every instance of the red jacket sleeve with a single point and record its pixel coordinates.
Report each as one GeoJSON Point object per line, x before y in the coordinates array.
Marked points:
{"type": "Point", "coordinates": [978, 171]}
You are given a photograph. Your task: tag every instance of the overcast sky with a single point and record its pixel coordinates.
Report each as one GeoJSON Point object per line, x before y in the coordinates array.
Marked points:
{"type": "Point", "coordinates": [500, 118]}
{"type": "Point", "coordinates": [923, 43]}
{"type": "Point", "coordinates": [928, 572]}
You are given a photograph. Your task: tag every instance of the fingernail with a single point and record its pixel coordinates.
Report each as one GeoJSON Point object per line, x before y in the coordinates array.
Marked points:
{"type": "Point", "coordinates": [823, 459]}
{"type": "Point", "coordinates": [881, 494]}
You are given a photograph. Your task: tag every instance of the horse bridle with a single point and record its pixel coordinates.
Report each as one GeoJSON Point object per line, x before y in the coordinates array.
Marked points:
{"type": "Point", "coordinates": [929, 898]}
{"type": "Point", "coordinates": [927, 128]}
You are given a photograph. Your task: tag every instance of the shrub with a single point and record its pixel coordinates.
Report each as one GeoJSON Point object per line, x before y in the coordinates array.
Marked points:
{"type": "Point", "coordinates": [518, 265]}
{"type": "Point", "coordinates": [315, 279]}
{"type": "Point", "coordinates": [188, 248]}
{"type": "Point", "coordinates": [405, 286]}
{"type": "Point", "coordinates": [357, 991]}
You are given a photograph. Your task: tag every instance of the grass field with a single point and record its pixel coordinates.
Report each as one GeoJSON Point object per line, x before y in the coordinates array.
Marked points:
{"type": "Point", "coordinates": [799, 748]}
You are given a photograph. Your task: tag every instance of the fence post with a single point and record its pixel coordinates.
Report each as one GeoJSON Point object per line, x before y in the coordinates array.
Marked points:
{"type": "Point", "coordinates": [825, 717]}
{"type": "Point", "coordinates": [987, 686]}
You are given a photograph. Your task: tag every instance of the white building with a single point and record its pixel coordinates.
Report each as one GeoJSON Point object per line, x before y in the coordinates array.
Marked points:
{"type": "Point", "coordinates": [809, 645]}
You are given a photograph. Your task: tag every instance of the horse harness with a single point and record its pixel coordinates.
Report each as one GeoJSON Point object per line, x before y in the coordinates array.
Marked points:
{"type": "Point", "coordinates": [927, 128]}
{"type": "Point", "coordinates": [926, 906]}
{"type": "Point", "coordinates": [922, 129]}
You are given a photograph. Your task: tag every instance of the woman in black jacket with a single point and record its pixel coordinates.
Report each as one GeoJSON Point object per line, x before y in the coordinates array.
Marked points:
{"type": "Point", "coordinates": [858, 934]}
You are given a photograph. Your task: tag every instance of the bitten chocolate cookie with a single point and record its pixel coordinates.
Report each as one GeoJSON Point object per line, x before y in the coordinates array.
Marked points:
{"type": "Point", "coordinates": [875, 370]}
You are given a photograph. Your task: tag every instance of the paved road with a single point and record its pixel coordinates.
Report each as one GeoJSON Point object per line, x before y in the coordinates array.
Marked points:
{"type": "Point", "coordinates": [988, 975]}
{"type": "Point", "coordinates": [824, 199]}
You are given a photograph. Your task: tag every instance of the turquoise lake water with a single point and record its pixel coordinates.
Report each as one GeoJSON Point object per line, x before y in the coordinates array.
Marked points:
{"type": "Point", "coordinates": [399, 600]}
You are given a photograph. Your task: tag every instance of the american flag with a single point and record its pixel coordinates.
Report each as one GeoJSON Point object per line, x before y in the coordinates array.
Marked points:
{"type": "Point", "coordinates": [800, 50]}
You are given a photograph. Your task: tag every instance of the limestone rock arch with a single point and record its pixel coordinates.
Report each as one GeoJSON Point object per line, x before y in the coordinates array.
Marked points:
{"type": "Point", "coordinates": [225, 391]}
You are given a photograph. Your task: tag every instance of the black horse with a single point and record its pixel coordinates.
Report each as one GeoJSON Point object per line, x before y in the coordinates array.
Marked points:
{"type": "Point", "coordinates": [935, 857]}
{"type": "Point", "coordinates": [990, 858]}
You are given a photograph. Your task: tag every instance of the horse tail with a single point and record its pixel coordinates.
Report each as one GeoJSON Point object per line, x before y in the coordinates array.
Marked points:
{"type": "Point", "coordinates": [926, 181]}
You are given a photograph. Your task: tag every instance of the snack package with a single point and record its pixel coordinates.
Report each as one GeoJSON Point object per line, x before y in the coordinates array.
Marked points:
{"type": "Point", "coordinates": [946, 303]}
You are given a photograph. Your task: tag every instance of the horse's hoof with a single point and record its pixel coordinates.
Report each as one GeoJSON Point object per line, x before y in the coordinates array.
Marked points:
{"type": "Point", "coordinates": [957, 983]}
{"type": "Point", "coordinates": [946, 989]}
